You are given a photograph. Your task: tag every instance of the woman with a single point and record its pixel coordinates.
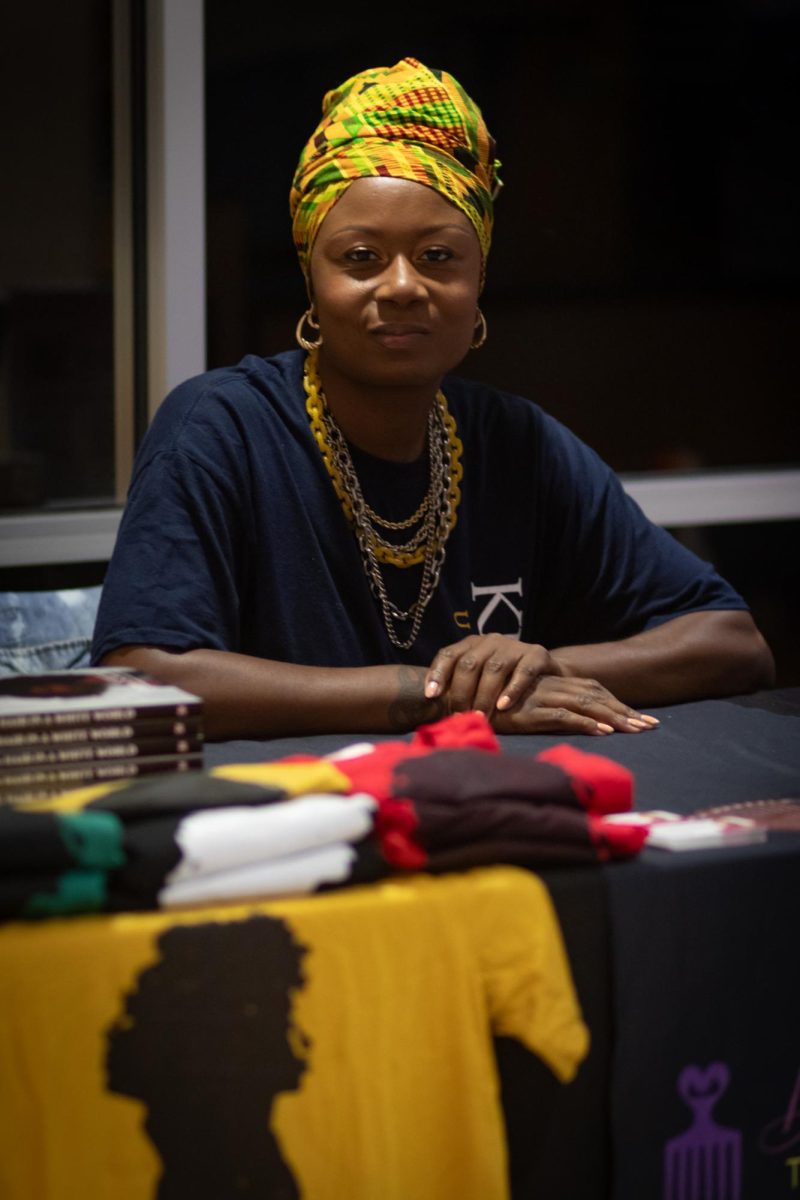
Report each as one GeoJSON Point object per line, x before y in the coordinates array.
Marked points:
{"type": "Point", "coordinates": [349, 539]}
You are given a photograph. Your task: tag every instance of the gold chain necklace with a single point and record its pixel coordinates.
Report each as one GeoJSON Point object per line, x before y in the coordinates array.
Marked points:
{"type": "Point", "coordinates": [437, 512]}
{"type": "Point", "coordinates": [409, 521]}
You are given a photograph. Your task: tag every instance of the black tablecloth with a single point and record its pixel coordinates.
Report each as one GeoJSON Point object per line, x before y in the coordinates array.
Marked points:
{"type": "Point", "coordinates": [686, 966]}
{"type": "Point", "coordinates": [702, 754]}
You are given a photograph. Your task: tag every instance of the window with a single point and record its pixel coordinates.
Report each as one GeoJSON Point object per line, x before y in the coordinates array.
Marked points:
{"type": "Point", "coordinates": [56, 252]}
{"type": "Point", "coordinates": [102, 264]}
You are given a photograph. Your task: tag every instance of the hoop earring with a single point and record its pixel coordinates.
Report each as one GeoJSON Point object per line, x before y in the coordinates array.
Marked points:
{"type": "Point", "coordinates": [307, 319]}
{"type": "Point", "coordinates": [481, 332]}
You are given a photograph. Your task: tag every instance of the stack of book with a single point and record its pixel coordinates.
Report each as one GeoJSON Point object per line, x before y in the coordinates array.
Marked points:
{"type": "Point", "coordinates": [69, 729]}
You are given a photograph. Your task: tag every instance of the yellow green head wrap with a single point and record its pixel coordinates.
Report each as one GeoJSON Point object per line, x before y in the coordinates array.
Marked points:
{"type": "Point", "coordinates": [407, 122]}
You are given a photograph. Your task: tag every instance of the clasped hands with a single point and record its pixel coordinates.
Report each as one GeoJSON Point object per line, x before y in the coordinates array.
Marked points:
{"type": "Point", "coordinates": [522, 688]}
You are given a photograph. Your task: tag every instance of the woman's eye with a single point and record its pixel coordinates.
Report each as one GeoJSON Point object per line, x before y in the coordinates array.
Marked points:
{"type": "Point", "coordinates": [359, 254]}
{"type": "Point", "coordinates": [437, 254]}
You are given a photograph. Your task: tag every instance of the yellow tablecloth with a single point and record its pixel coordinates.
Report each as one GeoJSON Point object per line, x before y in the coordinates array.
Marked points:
{"type": "Point", "coordinates": [329, 1047]}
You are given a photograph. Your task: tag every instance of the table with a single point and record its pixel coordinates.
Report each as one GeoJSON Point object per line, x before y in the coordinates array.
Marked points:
{"type": "Point", "coordinates": [684, 966]}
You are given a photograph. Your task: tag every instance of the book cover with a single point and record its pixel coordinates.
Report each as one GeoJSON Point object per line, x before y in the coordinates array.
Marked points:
{"type": "Point", "coordinates": [100, 695]}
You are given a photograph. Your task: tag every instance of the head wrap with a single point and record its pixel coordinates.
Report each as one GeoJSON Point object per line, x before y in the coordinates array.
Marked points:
{"type": "Point", "coordinates": [407, 122]}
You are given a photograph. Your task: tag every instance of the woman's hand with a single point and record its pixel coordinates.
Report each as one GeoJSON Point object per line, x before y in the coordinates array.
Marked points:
{"type": "Point", "coordinates": [522, 688]}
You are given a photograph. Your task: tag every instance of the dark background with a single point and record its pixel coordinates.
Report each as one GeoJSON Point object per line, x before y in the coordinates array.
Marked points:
{"type": "Point", "coordinates": [643, 279]}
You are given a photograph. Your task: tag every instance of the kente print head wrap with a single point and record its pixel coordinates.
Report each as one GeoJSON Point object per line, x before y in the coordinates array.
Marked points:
{"type": "Point", "coordinates": [407, 122]}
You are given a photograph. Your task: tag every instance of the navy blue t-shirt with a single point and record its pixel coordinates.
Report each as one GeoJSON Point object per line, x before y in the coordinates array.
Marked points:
{"type": "Point", "coordinates": [233, 538]}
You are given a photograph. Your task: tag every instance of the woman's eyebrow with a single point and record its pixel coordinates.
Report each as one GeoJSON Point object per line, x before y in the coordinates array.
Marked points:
{"type": "Point", "coordinates": [377, 231]}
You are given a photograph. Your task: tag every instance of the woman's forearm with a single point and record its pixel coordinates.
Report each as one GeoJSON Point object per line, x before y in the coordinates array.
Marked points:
{"type": "Point", "coordinates": [692, 657]}
{"type": "Point", "coordinates": [246, 697]}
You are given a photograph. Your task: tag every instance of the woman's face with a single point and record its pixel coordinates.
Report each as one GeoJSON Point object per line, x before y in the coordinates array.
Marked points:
{"type": "Point", "coordinates": [395, 277]}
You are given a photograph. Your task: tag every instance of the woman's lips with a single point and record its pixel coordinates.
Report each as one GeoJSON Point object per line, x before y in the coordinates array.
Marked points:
{"type": "Point", "coordinates": [396, 336]}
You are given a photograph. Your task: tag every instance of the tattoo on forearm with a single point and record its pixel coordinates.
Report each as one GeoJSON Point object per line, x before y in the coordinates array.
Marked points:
{"type": "Point", "coordinates": [410, 708]}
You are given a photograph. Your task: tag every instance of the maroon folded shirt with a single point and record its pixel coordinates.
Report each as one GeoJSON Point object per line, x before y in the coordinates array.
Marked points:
{"type": "Point", "coordinates": [449, 799]}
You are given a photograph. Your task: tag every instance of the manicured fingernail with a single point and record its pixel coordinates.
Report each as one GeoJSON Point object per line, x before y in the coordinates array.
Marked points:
{"type": "Point", "coordinates": [636, 723]}
{"type": "Point", "coordinates": [649, 720]}
{"type": "Point", "coordinates": [431, 689]}
{"type": "Point", "coordinates": [605, 728]}
{"type": "Point", "coordinates": [504, 702]}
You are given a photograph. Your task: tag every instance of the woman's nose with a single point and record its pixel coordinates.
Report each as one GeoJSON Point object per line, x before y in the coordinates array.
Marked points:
{"type": "Point", "coordinates": [400, 282]}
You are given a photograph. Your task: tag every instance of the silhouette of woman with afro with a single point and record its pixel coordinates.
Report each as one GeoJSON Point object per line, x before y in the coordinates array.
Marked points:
{"type": "Point", "coordinates": [204, 1044]}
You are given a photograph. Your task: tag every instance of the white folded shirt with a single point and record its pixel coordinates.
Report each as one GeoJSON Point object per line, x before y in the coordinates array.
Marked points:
{"type": "Point", "coordinates": [220, 839]}
{"type": "Point", "coordinates": [293, 874]}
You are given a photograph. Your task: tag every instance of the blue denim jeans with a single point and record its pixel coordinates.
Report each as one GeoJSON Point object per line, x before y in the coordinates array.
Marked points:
{"type": "Point", "coordinates": [46, 631]}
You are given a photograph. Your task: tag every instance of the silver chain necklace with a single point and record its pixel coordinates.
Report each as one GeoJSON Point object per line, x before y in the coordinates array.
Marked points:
{"type": "Point", "coordinates": [434, 512]}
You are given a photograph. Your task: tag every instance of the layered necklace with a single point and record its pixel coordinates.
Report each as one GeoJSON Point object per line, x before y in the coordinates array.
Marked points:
{"type": "Point", "coordinates": [431, 523]}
